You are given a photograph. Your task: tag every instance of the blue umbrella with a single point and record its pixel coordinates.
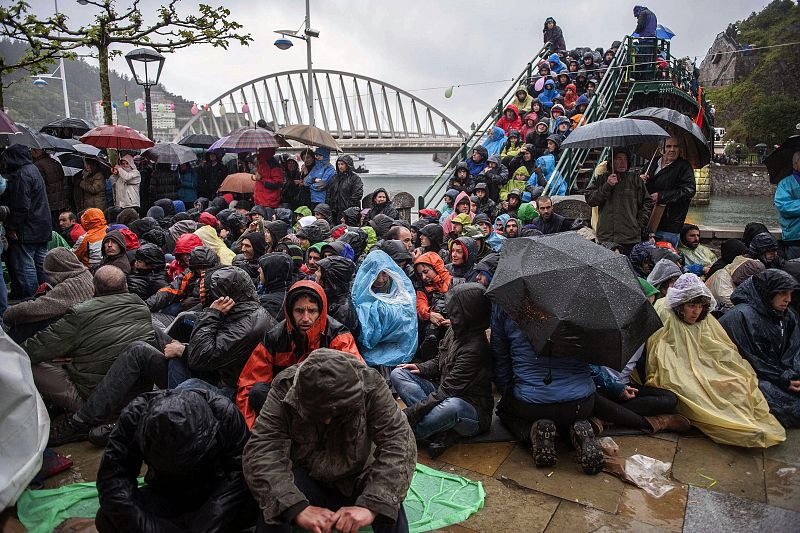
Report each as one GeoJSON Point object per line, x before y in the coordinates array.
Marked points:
{"type": "Point", "coordinates": [662, 32]}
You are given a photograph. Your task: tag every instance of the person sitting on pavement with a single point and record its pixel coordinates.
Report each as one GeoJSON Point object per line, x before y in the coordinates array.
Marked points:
{"type": "Point", "coordinates": [331, 450]}
{"type": "Point", "coordinates": [91, 334]}
{"type": "Point", "coordinates": [431, 239]}
{"type": "Point", "coordinates": [183, 293]}
{"type": "Point", "coordinates": [401, 257]}
{"type": "Point", "coordinates": [541, 393]}
{"type": "Point", "coordinates": [335, 276]}
{"type": "Point", "coordinates": [694, 253]}
{"type": "Point", "coordinates": [402, 234]}
{"type": "Point", "coordinates": [767, 333]}
{"type": "Point", "coordinates": [381, 205]}
{"type": "Point", "coordinates": [253, 246]}
{"type": "Point", "coordinates": [69, 227]}
{"type": "Point", "coordinates": [183, 247]}
{"type": "Point", "coordinates": [463, 256]}
{"type": "Point", "coordinates": [663, 276]}
{"type": "Point", "coordinates": [307, 326]}
{"type": "Point", "coordinates": [275, 271]}
{"type": "Point", "coordinates": [787, 203]}
{"type": "Point", "coordinates": [723, 282]}
{"type": "Point", "coordinates": [147, 277]}
{"type": "Point", "coordinates": [113, 252]}
{"type": "Point", "coordinates": [511, 228]}
{"type": "Point", "coordinates": [435, 281]}
{"type": "Point", "coordinates": [89, 246]}
{"type": "Point", "coordinates": [730, 249]}
{"type": "Point", "coordinates": [70, 284]}
{"type": "Point", "coordinates": [450, 395]}
{"type": "Point", "coordinates": [548, 222]}
{"type": "Point", "coordinates": [192, 443]}
{"type": "Point", "coordinates": [692, 356]}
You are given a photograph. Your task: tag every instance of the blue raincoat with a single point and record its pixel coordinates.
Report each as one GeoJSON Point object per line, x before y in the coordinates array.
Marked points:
{"type": "Point", "coordinates": [388, 321]}
{"type": "Point", "coordinates": [494, 143]}
{"type": "Point", "coordinates": [556, 65]}
{"type": "Point", "coordinates": [547, 95]}
{"type": "Point", "coordinates": [787, 202]}
{"type": "Point", "coordinates": [322, 170]}
{"type": "Point", "coordinates": [548, 164]}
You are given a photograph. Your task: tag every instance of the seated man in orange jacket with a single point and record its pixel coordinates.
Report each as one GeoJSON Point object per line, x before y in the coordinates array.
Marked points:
{"type": "Point", "coordinates": [307, 327]}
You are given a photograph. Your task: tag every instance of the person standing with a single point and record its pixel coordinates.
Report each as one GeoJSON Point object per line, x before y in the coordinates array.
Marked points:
{"type": "Point", "coordinates": [346, 188]}
{"type": "Point", "coordinates": [553, 34]}
{"type": "Point", "coordinates": [671, 184]}
{"type": "Point", "coordinates": [646, 24]}
{"type": "Point", "coordinates": [90, 189]}
{"type": "Point", "coordinates": [125, 179]}
{"type": "Point", "coordinates": [787, 202]}
{"type": "Point", "coordinates": [320, 175]}
{"type": "Point", "coordinates": [269, 179]}
{"type": "Point", "coordinates": [28, 225]}
{"type": "Point", "coordinates": [53, 174]}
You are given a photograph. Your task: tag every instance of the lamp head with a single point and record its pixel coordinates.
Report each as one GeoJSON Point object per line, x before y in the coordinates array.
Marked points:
{"type": "Point", "coordinates": [39, 82]}
{"type": "Point", "coordinates": [283, 44]}
{"type": "Point", "coordinates": [140, 59]}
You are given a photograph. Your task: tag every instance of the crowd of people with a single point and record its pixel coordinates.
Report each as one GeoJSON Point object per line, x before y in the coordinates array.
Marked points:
{"type": "Point", "coordinates": [252, 352]}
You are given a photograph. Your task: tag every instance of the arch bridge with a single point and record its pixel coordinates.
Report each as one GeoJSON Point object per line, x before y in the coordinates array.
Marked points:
{"type": "Point", "coordinates": [362, 113]}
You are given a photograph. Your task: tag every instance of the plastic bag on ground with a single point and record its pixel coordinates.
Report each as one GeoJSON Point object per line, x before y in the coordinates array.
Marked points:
{"type": "Point", "coordinates": [649, 474]}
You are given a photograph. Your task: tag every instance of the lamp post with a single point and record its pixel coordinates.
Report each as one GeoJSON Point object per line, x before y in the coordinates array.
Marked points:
{"type": "Point", "coordinates": [285, 44]}
{"type": "Point", "coordinates": [41, 81]}
{"type": "Point", "coordinates": [141, 59]}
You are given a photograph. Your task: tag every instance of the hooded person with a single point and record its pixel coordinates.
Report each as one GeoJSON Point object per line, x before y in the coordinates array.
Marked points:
{"type": "Point", "coordinates": [693, 252]}
{"type": "Point", "coordinates": [549, 93]}
{"type": "Point", "coordinates": [320, 175]}
{"type": "Point", "coordinates": [324, 212]}
{"type": "Point", "coordinates": [335, 275]}
{"type": "Point", "coordinates": [381, 205]}
{"type": "Point", "coordinates": [729, 250]}
{"type": "Point", "coordinates": [511, 119]}
{"type": "Point", "coordinates": [570, 97]}
{"type": "Point", "coordinates": [527, 213]}
{"type": "Point", "coordinates": [494, 141]}
{"type": "Point", "coordinates": [212, 240]}
{"type": "Point", "coordinates": [552, 34]}
{"type": "Point", "coordinates": [495, 175]}
{"type": "Point", "coordinates": [381, 224]}
{"type": "Point", "coordinates": [664, 275]}
{"type": "Point", "coordinates": [449, 199]}
{"type": "Point", "coordinates": [460, 179]}
{"type": "Point", "coordinates": [477, 161]}
{"type": "Point", "coordinates": [338, 248]}
{"type": "Point", "coordinates": [345, 188]}
{"type": "Point", "coordinates": [125, 180]}
{"type": "Point", "coordinates": [351, 216]}
{"type": "Point", "coordinates": [435, 281]}
{"type": "Point", "coordinates": [765, 329]}
{"type": "Point", "coordinates": [183, 247]}
{"type": "Point", "coordinates": [268, 178]}
{"type": "Point", "coordinates": [463, 256]}
{"type": "Point", "coordinates": [276, 275]}
{"type": "Point", "coordinates": [461, 200]}
{"type": "Point", "coordinates": [723, 282]}
{"type": "Point", "coordinates": [764, 247]}
{"type": "Point", "coordinates": [192, 443]}
{"type": "Point", "coordinates": [183, 292]}
{"type": "Point", "coordinates": [432, 240]}
{"type": "Point", "coordinates": [357, 239]}
{"type": "Point", "coordinates": [692, 356]}
{"type": "Point", "coordinates": [486, 268]}
{"type": "Point", "coordinates": [556, 65]}
{"type": "Point", "coordinates": [522, 100]}
{"type": "Point", "coordinates": [88, 248]}
{"type": "Point", "coordinates": [113, 252]}
{"type": "Point", "coordinates": [253, 247]}
{"type": "Point", "coordinates": [528, 125]}
{"type": "Point", "coordinates": [484, 204]}
{"type": "Point", "coordinates": [148, 276]}
{"type": "Point", "coordinates": [307, 327]}
{"type": "Point", "coordinates": [546, 168]}
{"type": "Point", "coordinates": [512, 146]}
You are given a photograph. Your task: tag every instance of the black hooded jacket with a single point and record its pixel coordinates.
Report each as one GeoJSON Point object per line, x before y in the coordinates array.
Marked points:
{"type": "Point", "coordinates": [352, 216]}
{"type": "Point", "coordinates": [676, 187]}
{"type": "Point", "coordinates": [317, 231]}
{"type": "Point", "coordinates": [222, 342]}
{"type": "Point", "coordinates": [278, 276]}
{"type": "Point", "coordinates": [381, 224]}
{"type": "Point", "coordinates": [356, 238]}
{"type": "Point", "coordinates": [145, 283]}
{"type": "Point", "coordinates": [119, 260]}
{"type": "Point", "coordinates": [466, 270]}
{"type": "Point", "coordinates": [337, 275]}
{"type": "Point", "coordinates": [345, 189]}
{"type": "Point", "coordinates": [554, 35]}
{"type": "Point", "coordinates": [277, 230]}
{"type": "Point", "coordinates": [385, 208]}
{"type": "Point", "coordinates": [435, 234]}
{"type": "Point", "coordinates": [250, 266]}
{"type": "Point", "coordinates": [192, 442]}
{"type": "Point", "coordinates": [27, 198]}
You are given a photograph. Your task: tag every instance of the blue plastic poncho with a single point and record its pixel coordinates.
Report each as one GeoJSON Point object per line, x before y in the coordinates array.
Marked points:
{"type": "Point", "coordinates": [388, 321]}
{"type": "Point", "coordinates": [547, 163]}
{"type": "Point", "coordinates": [495, 141]}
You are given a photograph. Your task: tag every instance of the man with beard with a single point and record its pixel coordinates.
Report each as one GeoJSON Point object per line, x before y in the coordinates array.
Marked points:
{"type": "Point", "coordinates": [694, 252]}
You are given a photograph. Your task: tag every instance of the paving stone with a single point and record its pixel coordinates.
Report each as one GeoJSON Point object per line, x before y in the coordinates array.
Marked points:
{"type": "Point", "coordinates": [737, 471]}
{"type": "Point", "coordinates": [663, 450]}
{"type": "Point", "coordinates": [567, 480]}
{"type": "Point", "coordinates": [709, 511]}
{"type": "Point", "coordinates": [85, 462]}
{"type": "Point", "coordinates": [574, 518]}
{"type": "Point", "coordinates": [665, 513]}
{"type": "Point", "coordinates": [484, 458]}
{"type": "Point", "coordinates": [788, 451]}
{"type": "Point", "coordinates": [783, 485]}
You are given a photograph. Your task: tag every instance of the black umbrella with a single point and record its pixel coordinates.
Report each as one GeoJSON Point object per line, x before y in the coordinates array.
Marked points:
{"type": "Point", "coordinates": [574, 298]}
{"type": "Point", "coordinates": [55, 143]}
{"type": "Point", "coordinates": [170, 153]}
{"type": "Point", "coordinates": [695, 144]}
{"type": "Point", "coordinates": [614, 132]}
{"type": "Point", "coordinates": [779, 162]}
{"type": "Point", "coordinates": [25, 137]}
{"type": "Point", "coordinates": [198, 140]}
{"type": "Point", "coordinates": [68, 127]}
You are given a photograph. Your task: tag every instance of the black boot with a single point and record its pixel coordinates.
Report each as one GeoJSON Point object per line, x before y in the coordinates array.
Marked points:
{"type": "Point", "coordinates": [587, 452]}
{"type": "Point", "coordinates": [65, 430]}
{"type": "Point", "coordinates": [99, 435]}
{"type": "Point", "coordinates": [441, 442]}
{"type": "Point", "coordinates": [543, 447]}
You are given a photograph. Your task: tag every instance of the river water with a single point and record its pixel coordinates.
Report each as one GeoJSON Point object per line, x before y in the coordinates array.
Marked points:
{"type": "Point", "coordinates": [413, 173]}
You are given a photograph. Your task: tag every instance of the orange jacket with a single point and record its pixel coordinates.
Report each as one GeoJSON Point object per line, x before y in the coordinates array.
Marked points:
{"type": "Point", "coordinates": [89, 244]}
{"type": "Point", "coordinates": [440, 285]}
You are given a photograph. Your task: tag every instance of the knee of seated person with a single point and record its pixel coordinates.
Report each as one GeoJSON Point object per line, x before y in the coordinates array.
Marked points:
{"type": "Point", "coordinates": [670, 400]}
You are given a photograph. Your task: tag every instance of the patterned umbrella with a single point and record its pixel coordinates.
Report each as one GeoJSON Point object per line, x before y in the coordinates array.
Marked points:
{"type": "Point", "coordinates": [170, 153]}
{"type": "Point", "coordinates": [251, 139]}
{"type": "Point", "coordinates": [217, 145]}
{"type": "Point", "coordinates": [6, 124]}
{"type": "Point", "coordinates": [117, 137]}
{"type": "Point", "coordinates": [241, 182]}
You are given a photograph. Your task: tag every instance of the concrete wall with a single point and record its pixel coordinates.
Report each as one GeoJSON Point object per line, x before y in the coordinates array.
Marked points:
{"type": "Point", "coordinates": [729, 180]}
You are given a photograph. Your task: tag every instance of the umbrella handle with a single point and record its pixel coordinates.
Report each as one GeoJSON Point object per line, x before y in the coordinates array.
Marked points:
{"type": "Point", "coordinates": [647, 172]}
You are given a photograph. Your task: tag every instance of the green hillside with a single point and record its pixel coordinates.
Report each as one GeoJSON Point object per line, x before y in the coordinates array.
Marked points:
{"type": "Point", "coordinates": [764, 107]}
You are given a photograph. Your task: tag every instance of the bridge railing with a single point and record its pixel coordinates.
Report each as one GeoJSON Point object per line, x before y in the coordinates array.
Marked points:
{"type": "Point", "coordinates": [433, 194]}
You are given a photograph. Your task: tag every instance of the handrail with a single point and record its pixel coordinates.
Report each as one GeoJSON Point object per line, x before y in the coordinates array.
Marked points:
{"type": "Point", "coordinates": [437, 187]}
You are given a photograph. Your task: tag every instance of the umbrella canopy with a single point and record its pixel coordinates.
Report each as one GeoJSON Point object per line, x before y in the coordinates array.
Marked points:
{"type": "Point", "coordinates": [310, 135]}
{"type": "Point", "coordinates": [695, 144]}
{"type": "Point", "coordinates": [117, 137]}
{"type": "Point", "coordinates": [55, 143]}
{"type": "Point", "coordinates": [614, 132]}
{"type": "Point", "coordinates": [662, 32]}
{"type": "Point", "coordinates": [241, 182]}
{"type": "Point", "coordinates": [73, 127]}
{"type": "Point", "coordinates": [574, 298]}
{"type": "Point", "coordinates": [24, 136]}
{"type": "Point", "coordinates": [779, 162]}
{"type": "Point", "coordinates": [217, 145]}
{"type": "Point", "coordinates": [170, 153]}
{"type": "Point", "coordinates": [6, 124]}
{"type": "Point", "coordinates": [198, 140]}
{"type": "Point", "coordinates": [251, 139]}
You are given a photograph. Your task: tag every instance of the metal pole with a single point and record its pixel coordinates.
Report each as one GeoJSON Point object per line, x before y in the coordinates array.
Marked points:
{"type": "Point", "coordinates": [149, 111]}
{"type": "Point", "coordinates": [63, 75]}
{"type": "Point", "coordinates": [310, 80]}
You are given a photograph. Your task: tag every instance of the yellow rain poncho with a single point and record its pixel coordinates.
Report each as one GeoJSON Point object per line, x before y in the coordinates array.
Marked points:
{"type": "Point", "coordinates": [210, 238]}
{"type": "Point", "coordinates": [717, 389]}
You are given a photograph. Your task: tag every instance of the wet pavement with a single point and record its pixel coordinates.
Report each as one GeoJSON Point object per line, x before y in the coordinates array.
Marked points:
{"type": "Point", "coordinates": [716, 488]}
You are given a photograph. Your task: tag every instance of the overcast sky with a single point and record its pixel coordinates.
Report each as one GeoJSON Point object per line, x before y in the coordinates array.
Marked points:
{"type": "Point", "coordinates": [417, 44]}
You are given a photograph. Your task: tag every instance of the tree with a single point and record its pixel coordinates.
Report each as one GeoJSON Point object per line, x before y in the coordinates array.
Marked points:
{"type": "Point", "coordinates": [111, 27]}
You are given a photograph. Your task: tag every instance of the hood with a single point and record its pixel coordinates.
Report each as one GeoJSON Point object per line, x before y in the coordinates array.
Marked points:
{"type": "Point", "coordinates": [118, 238]}
{"type": "Point", "coordinates": [283, 214]}
{"type": "Point", "coordinates": [381, 224]}
{"type": "Point", "coordinates": [303, 211]}
{"type": "Point", "coordinates": [494, 158]}
{"type": "Point", "coordinates": [396, 250]}
{"type": "Point", "coordinates": [317, 231]}
{"type": "Point", "coordinates": [179, 206]}
{"type": "Point", "coordinates": [186, 243]}
{"type": "Point", "coordinates": [730, 249]}
{"type": "Point", "coordinates": [664, 270]}
{"type": "Point", "coordinates": [203, 258]}
{"type": "Point", "coordinates": [497, 133]}
{"type": "Point", "coordinates": [327, 385]}
{"type": "Point", "coordinates": [471, 249]}
{"type": "Point", "coordinates": [347, 160]}
{"type": "Point", "coordinates": [751, 230]}
{"type": "Point", "coordinates": [443, 278]}
{"type": "Point", "coordinates": [483, 150]}
{"type": "Point", "coordinates": [513, 108]}
{"type": "Point", "coordinates": [17, 156]}
{"type": "Point", "coordinates": [340, 249]}
{"type": "Point", "coordinates": [759, 289]}
{"type": "Point", "coordinates": [306, 287]}
{"type": "Point", "coordinates": [177, 431]}
{"type": "Point", "coordinates": [435, 233]}
{"type": "Point", "coordinates": [277, 269]}
{"type": "Point", "coordinates": [151, 254]}
{"type": "Point", "coordinates": [743, 268]}
{"type": "Point", "coordinates": [761, 243]}
{"type": "Point", "coordinates": [637, 10]}
{"type": "Point", "coordinates": [131, 239]}
{"type": "Point", "coordinates": [92, 218]}
{"type": "Point", "coordinates": [453, 193]}
{"type": "Point", "coordinates": [468, 307]}
{"type": "Point", "coordinates": [228, 281]}
{"type": "Point", "coordinates": [356, 238]}
{"type": "Point", "coordinates": [352, 216]}
{"type": "Point", "coordinates": [549, 19]}
{"type": "Point", "coordinates": [208, 219]}
{"type": "Point", "coordinates": [325, 153]}
{"type": "Point", "coordinates": [337, 274]}
{"type": "Point", "coordinates": [561, 108]}
{"type": "Point", "coordinates": [488, 264]}
{"type": "Point", "coordinates": [155, 212]}
{"type": "Point", "coordinates": [460, 166]}
{"type": "Point", "coordinates": [182, 227]}
{"type": "Point", "coordinates": [167, 205]}
{"type": "Point", "coordinates": [278, 229]}
{"type": "Point", "coordinates": [127, 216]}
{"type": "Point", "coordinates": [582, 100]}
{"type": "Point", "coordinates": [258, 243]}
{"type": "Point", "coordinates": [61, 264]}
{"type": "Point", "coordinates": [526, 213]}
{"type": "Point", "coordinates": [324, 210]}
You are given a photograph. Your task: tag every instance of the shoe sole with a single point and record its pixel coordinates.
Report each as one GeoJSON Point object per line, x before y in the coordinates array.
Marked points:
{"type": "Point", "coordinates": [587, 452]}
{"type": "Point", "coordinates": [543, 440]}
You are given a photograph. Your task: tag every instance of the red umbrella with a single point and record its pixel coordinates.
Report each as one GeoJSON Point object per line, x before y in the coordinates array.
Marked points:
{"type": "Point", "coordinates": [241, 182]}
{"type": "Point", "coordinates": [6, 124]}
{"type": "Point", "coordinates": [251, 139]}
{"type": "Point", "coordinates": [117, 137]}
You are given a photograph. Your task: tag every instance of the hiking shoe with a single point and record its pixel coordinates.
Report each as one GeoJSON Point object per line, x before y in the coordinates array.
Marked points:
{"type": "Point", "coordinates": [99, 435]}
{"type": "Point", "coordinates": [65, 430]}
{"type": "Point", "coordinates": [543, 441]}
{"type": "Point", "coordinates": [587, 452]}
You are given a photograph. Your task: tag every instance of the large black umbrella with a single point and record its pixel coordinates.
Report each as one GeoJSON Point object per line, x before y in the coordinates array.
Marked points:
{"type": "Point", "coordinates": [68, 127]}
{"type": "Point", "coordinates": [55, 143]}
{"type": "Point", "coordinates": [614, 132]}
{"type": "Point", "coordinates": [779, 162]}
{"type": "Point", "coordinates": [25, 137]}
{"type": "Point", "coordinates": [198, 140]}
{"type": "Point", "coordinates": [695, 144]}
{"type": "Point", "coordinates": [574, 298]}
{"type": "Point", "coordinates": [170, 153]}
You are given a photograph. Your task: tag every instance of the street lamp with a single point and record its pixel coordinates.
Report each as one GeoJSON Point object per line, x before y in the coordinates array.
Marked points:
{"type": "Point", "coordinates": [41, 81]}
{"type": "Point", "coordinates": [285, 44]}
{"type": "Point", "coordinates": [139, 62]}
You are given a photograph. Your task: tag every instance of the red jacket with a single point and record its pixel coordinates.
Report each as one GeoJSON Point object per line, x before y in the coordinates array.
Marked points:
{"type": "Point", "coordinates": [284, 346]}
{"type": "Point", "coordinates": [508, 125]}
{"type": "Point", "coordinates": [269, 179]}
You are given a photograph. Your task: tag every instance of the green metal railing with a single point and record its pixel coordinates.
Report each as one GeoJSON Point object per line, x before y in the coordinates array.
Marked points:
{"type": "Point", "coordinates": [432, 197]}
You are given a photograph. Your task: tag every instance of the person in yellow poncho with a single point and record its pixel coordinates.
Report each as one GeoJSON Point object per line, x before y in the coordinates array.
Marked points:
{"type": "Point", "coordinates": [693, 357]}
{"type": "Point", "coordinates": [210, 238]}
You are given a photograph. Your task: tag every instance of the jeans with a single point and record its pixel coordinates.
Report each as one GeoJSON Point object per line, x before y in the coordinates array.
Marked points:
{"type": "Point", "coordinates": [672, 238]}
{"type": "Point", "coordinates": [197, 383]}
{"type": "Point", "coordinates": [451, 413]}
{"type": "Point", "coordinates": [649, 401]}
{"type": "Point", "coordinates": [28, 262]}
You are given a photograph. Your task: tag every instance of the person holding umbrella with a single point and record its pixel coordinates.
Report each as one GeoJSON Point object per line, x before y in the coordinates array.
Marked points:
{"type": "Point", "coordinates": [269, 179]}
{"type": "Point", "coordinates": [90, 189]}
{"type": "Point", "coordinates": [125, 179]}
{"type": "Point", "coordinates": [787, 202]}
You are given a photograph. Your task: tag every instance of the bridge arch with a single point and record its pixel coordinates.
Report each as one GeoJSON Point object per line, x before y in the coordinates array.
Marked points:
{"type": "Point", "coordinates": [362, 113]}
